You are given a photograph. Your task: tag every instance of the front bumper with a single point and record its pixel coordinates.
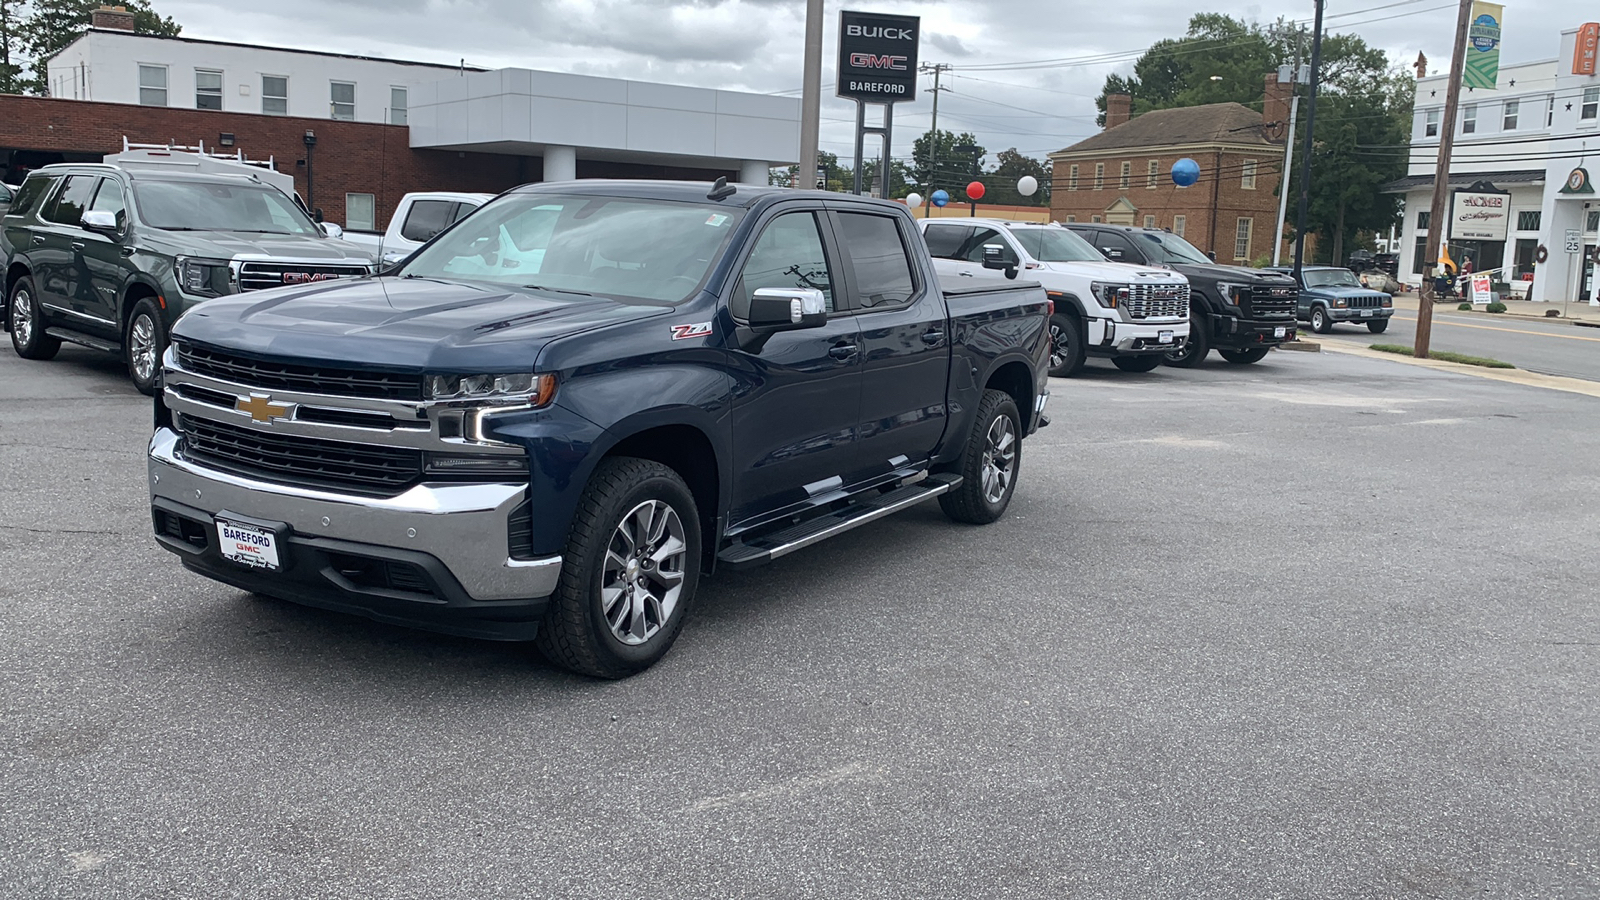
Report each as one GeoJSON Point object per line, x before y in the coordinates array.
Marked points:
{"type": "Point", "coordinates": [434, 557]}
{"type": "Point", "coordinates": [1109, 338]}
{"type": "Point", "coordinates": [1359, 315]}
{"type": "Point", "coordinates": [1231, 332]}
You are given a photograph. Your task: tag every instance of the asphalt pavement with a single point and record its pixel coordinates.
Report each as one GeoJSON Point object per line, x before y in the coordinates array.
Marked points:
{"type": "Point", "coordinates": [1320, 627]}
{"type": "Point", "coordinates": [1550, 348]}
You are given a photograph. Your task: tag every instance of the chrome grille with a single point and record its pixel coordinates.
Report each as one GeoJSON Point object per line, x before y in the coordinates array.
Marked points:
{"type": "Point", "coordinates": [292, 377]}
{"type": "Point", "coordinates": [1272, 302]}
{"type": "Point", "coordinates": [1365, 302]}
{"type": "Point", "coordinates": [307, 462]}
{"type": "Point", "coordinates": [1166, 301]}
{"type": "Point", "coordinates": [256, 276]}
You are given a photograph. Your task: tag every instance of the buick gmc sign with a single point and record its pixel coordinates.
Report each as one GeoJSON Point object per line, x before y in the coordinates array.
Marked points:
{"type": "Point", "coordinates": [878, 57]}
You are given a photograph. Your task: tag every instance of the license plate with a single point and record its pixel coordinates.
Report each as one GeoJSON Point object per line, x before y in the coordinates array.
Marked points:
{"type": "Point", "coordinates": [1279, 332]}
{"type": "Point", "coordinates": [1164, 337]}
{"type": "Point", "coordinates": [1366, 312]}
{"type": "Point", "coordinates": [248, 545]}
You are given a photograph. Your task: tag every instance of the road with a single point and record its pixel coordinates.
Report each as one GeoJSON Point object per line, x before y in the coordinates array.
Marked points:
{"type": "Point", "coordinates": [1320, 627]}
{"type": "Point", "coordinates": [1551, 348]}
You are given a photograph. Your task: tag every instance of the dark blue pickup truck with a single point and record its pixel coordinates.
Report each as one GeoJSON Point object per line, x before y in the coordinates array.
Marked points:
{"type": "Point", "coordinates": [551, 420]}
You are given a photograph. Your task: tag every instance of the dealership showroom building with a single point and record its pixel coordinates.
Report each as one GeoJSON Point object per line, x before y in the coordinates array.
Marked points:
{"type": "Point", "coordinates": [365, 131]}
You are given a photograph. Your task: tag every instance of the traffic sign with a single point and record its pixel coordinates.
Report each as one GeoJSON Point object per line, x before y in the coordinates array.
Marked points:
{"type": "Point", "coordinates": [1574, 240]}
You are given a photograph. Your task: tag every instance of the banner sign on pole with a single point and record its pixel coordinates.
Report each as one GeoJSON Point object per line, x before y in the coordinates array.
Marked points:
{"type": "Point", "coordinates": [1479, 213]}
{"type": "Point", "coordinates": [878, 57]}
{"type": "Point", "coordinates": [1583, 49]}
{"type": "Point", "coordinates": [1483, 46]}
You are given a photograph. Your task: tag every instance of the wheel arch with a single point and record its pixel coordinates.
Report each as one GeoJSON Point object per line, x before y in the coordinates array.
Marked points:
{"type": "Point", "coordinates": [688, 450]}
{"type": "Point", "coordinates": [136, 290]}
{"type": "Point", "coordinates": [1015, 378]}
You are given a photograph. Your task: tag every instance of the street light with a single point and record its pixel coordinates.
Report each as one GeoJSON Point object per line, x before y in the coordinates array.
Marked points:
{"type": "Point", "coordinates": [311, 142]}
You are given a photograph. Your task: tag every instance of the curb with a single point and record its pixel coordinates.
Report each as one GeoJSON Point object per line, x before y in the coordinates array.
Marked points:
{"type": "Point", "coordinates": [1509, 376]}
{"type": "Point", "coordinates": [1302, 346]}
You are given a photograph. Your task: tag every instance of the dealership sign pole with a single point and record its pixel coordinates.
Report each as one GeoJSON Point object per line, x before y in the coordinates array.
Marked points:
{"type": "Point", "coordinates": [877, 64]}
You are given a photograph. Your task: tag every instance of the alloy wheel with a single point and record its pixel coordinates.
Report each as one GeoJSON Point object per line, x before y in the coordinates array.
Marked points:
{"type": "Point", "coordinates": [1058, 354]}
{"type": "Point", "coordinates": [999, 458]}
{"type": "Point", "coordinates": [644, 571]}
{"type": "Point", "coordinates": [22, 317]}
{"type": "Point", "coordinates": [142, 348]}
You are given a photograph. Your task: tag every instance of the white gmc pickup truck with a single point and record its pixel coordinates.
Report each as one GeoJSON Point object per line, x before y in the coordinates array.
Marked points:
{"type": "Point", "coordinates": [1129, 314]}
{"type": "Point", "coordinates": [419, 217]}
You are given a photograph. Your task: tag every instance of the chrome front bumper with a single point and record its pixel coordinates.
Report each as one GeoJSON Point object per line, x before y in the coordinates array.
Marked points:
{"type": "Point", "coordinates": [463, 526]}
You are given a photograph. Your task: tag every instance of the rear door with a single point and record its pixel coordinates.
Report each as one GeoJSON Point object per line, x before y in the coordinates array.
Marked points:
{"type": "Point", "coordinates": [903, 337]}
{"type": "Point", "coordinates": [58, 276]}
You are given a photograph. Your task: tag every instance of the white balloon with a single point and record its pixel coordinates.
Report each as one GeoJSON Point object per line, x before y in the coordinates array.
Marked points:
{"type": "Point", "coordinates": [913, 200]}
{"type": "Point", "coordinates": [1026, 185]}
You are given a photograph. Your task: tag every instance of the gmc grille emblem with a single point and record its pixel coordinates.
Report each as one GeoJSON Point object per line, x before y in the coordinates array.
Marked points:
{"type": "Point", "coordinates": [307, 277]}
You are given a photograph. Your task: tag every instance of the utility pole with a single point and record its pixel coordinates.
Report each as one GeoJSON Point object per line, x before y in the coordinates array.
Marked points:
{"type": "Point", "coordinates": [811, 91]}
{"type": "Point", "coordinates": [1311, 139]}
{"type": "Point", "coordinates": [1288, 161]}
{"type": "Point", "coordinates": [1437, 221]}
{"type": "Point", "coordinates": [933, 131]}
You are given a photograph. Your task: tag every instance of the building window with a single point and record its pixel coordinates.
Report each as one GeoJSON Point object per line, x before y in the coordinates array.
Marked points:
{"type": "Point", "coordinates": [1149, 221]}
{"type": "Point", "coordinates": [275, 95]}
{"type": "Point", "coordinates": [1550, 111]}
{"type": "Point", "coordinates": [1591, 104]}
{"type": "Point", "coordinates": [397, 106]}
{"type": "Point", "coordinates": [358, 212]}
{"type": "Point", "coordinates": [1151, 175]}
{"type": "Point", "coordinates": [1592, 222]}
{"type": "Point", "coordinates": [1422, 219]}
{"type": "Point", "coordinates": [1072, 218]}
{"type": "Point", "coordinates": [342, 103]}
{"type": "Point", "coordinates": [1528, 220]}
{"type": "Point", "coordinates": [1099, 176]}
{"type": "Point", "coordinates": [1178, 224]}
{"type": "Point", "coordinates": [1469, 119]}
{"type": "Point", "coordinates": [152, 85]}
{"type": "Point", "coordinates": [1430, 126]}
{"type": "Point", "coordinates": [1241, 239]}
{"type": "Point", "coordinates": [1247, 175]}
{"type": "Point", "coordinates": [1127, 172]}
{"type": "Point", "coordinates": [1509, 123]}
{"type": "Point", "coordinates": [1072, 177]}
{"type": "Point", "coordinates": [1417, 260]}
{"type": "Point", "coordinates": [207, 89]}
{"type": "Point", "coordinates": [1094, 218]}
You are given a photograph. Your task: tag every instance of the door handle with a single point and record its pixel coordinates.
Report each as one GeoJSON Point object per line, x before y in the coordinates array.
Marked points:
{"type": "Point", "coordinates": [77, 245]}
{"type": "Point", "coordinates": [933, 338]}
{"type": "Point", "coordinates": [965, 274]}
{"type": "Point", "coordinates": [842, 351]}
{"type": "Point", "coordinates": [38, 240]}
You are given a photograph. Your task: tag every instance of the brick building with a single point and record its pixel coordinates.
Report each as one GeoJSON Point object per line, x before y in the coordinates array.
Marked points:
{"type": "Point", "coordinates": [1123, 174]}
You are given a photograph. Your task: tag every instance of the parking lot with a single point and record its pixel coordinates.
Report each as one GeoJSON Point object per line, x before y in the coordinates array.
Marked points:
{"type": "Point", "coordinates": [1320, 627]}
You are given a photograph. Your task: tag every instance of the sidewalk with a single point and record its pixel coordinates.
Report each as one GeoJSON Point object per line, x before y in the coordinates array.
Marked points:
{"type": "Point", "coordinates": [1577, 312]}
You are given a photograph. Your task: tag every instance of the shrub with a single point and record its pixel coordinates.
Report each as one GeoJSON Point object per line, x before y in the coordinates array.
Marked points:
{"type": "Point", "coordinates": [1496, 307]}
{"type": "Point", "coordinates": [1552, 314]}
{"type": "Point", "coordinates": [1465, 306]}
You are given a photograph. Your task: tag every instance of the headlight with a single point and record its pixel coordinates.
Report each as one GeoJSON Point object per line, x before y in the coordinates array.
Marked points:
{"type": "Point", "coordinates": [536, 390]}
{"type": "Point", "coordinates": [204, 277]}
{"type": "Point", "coordinates": [1232, 293]}
{"type": "Point", "coordinates": [1388, 301]}
{"type": "Point", "coordinates": [1340, 303]}
{"type": "Point", "coordinates": [1109, 295]}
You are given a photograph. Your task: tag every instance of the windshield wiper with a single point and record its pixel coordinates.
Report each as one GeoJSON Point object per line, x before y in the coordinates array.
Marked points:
{"type": "Point", "coordinates": [556, 290]}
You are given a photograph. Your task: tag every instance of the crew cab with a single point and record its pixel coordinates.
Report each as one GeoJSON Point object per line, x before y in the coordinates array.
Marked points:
{"type": "Point", "coordinates": [1240, 312]}
{"type": "Point", "coordinates": [1128, 314]}
{"type": "Point", "coordinates": [1331, 294]}
{"type": "Point", "coordinates": [109, 257]}
{"type": "Point", "coordinates": [553, 419]}
{"type": "Point", "coordinates": [416, 220]}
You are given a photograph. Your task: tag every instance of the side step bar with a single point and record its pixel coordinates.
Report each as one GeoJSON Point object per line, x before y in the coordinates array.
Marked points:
{"type": "Point", "coordinates": [769, 547]}
{"type": "Point", "coordinates": [83, 340]}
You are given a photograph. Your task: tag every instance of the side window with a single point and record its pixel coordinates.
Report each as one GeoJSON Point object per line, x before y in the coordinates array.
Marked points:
{"type": "Point", "coordinates": [878, 259]}
{"type": "Point", "coordinates": [462, 210]}
{"type": "Point", "coordinates": [109, 199]}
{"type": "Point", "coordinates": [787, 255]}
{"type": "Point", "coordinates": [1116, 247]}
{"type": "Point", "coordinates": [31, 192]}
{"type": "Point", "coordinates": [73, 200]}
{"type": "Point", "coordinates": [426, 219]}
{"type": "Point", "coordinates": [973, 251]}
{"type": "Point", "coordinates": [944, 241]}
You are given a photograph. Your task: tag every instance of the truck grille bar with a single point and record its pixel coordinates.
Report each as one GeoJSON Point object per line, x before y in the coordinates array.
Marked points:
{"type": "Point", "coordinates": [1272, 302]}
{"type": "Point", "coordinates": [308, 462]}
{"type": "Point", "coordinates": [1148, 301]}
{"type": "Point", "coordinates": [307, 379]}
{"type": "Point", "coordinates": [257, 276]}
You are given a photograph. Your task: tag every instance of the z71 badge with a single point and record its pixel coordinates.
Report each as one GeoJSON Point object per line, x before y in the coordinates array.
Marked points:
{"type": "Point", "coordinates": [699, 329]}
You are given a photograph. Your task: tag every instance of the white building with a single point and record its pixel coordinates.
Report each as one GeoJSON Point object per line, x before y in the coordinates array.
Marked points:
{"type": "Point", "coordinates": [1525, 138]}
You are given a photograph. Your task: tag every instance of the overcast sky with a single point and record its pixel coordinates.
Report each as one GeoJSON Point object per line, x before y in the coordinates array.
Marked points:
{"type": "Point", "coordinates": [756, 45]}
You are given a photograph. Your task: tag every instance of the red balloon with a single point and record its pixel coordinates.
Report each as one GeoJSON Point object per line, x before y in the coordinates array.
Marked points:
{"type": "Point", "coordinates": [975, 190]}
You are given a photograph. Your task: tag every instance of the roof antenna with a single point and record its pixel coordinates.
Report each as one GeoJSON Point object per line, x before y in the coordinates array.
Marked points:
{"type": "Point", "coordinates": [722, 189]}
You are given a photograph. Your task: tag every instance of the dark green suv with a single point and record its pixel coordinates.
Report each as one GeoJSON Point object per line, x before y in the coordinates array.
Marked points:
{"type": "Point", "coordinates": [109, 257]}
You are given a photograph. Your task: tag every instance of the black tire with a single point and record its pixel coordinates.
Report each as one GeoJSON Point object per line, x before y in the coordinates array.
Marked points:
{"type": "Point", "coordinates": [1378, 326]}
{"type": "Point", "coordinates": [1321, 322]}
{"type": "Point", "coordinates": [1194, 349]}
{"type": "Point", "coordinates": [143, 344]}
{"type": "Point", "coordinates": [25, 318]}
{"type": "Point", "coordinates": [973, 502]}
{"type": "Point", "coordinates": [1245, 357]}
{"type": "Point", "coordinates": [1067, 352]}
{"type": "Point", "coordinates": [1145, 363]}
{"type": "Point", "coordinates": [576, 632]}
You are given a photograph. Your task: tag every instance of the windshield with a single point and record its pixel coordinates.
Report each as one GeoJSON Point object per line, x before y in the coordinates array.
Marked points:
{"type": "Point", "coordinates": [1056, 245]}
{"type": "Point", "coordinates": [1330, 278]}
{"type": "Point", "coordinates": [619, 247]}
{"type": "Point", "coordinates": [1171, 249]}
{"type": "Point", "coordinates": [209, 206]}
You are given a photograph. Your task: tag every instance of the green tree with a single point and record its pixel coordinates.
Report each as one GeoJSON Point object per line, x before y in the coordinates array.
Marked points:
{"type": "Point", "coordinates": [11, 49]}
{"type": "Point", "coordinates": [936, 164]}
{"type": "Point", "coordinates": [1001, 182]}
{"type": "Point", "coordinates": [56, 23]}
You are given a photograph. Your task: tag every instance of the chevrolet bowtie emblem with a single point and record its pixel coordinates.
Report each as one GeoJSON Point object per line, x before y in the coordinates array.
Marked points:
{"type": "Point", "coordinates": [261, 408]}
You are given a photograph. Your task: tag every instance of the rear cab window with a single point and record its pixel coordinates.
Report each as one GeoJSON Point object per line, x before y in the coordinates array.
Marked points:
{"type": "Point", "coordinates": [945, 241]}
{"type": "Point", "coordinates": [877, 259]}
{"type": "Point", "coordinates": [426, 219]}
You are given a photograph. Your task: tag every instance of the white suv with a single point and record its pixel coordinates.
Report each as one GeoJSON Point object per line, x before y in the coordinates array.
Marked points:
{"type": "Point", "coordinates": [1129, 314]}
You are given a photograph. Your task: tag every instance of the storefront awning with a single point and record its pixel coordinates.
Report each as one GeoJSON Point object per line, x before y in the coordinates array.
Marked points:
{"type": "Point", "coordinates": [1463, 179]}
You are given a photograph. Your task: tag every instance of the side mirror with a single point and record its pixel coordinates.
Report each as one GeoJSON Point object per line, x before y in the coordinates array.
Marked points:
{"type": "Point", "coordinates": [1212, 254]}
{"type": "Point", "coordinates": [1111, 252]}
{"type": "Point", "coordinates": [787, 309]}
{"type": "Point", "coordinates": [100, 220]}
{"type": "Point", "coordinates": [332, 230]}
{"type": "Point", "coordinates": [316, 215]}
{"type": "Point", "coordinates": [999, 256]}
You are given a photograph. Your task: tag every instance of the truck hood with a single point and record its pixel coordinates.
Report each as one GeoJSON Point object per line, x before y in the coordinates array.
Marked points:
{"type": "Point", "coordinates": [1111, 271]}
{"type": "Point", "coordinates": [1238, 274]}
{"type": "Point", "coordinates": [230, 244]}
{"type": "Point", "coordinates": [402, 323]}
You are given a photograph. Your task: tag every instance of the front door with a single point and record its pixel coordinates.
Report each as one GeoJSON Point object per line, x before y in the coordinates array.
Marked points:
{"type": "Point", "coordinates": [100, 259]}
{"type": "Point", "coordinates": [797, 394]}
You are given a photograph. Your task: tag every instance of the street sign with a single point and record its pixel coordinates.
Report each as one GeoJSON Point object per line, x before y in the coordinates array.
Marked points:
{"type": "Point", "coordinates": [1574, 240]}
{"type": "Point", "coordinates": [822, 178]}
{"type": "Point", "coordinates": [1481, 292]}
{"type": "Point", "coordinates": [878, 57]}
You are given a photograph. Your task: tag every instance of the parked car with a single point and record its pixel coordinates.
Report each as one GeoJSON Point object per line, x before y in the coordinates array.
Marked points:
{"type": "Point", "coordinates": [109, 257]}
{"type": "Point", "coordinates": [1128, 314]}
{"type": "Point", "coordinates": [553, 419]}
{"type": "Point", "coordinates": [1329, 294]}
{"type": "Point", "coordinates": [1241, 313]}
{"type": "Point", "coordinates": [416, 220]}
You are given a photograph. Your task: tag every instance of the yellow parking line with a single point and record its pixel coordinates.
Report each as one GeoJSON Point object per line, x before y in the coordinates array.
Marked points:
{"type": "Point", "coordinates": [1568, 337]}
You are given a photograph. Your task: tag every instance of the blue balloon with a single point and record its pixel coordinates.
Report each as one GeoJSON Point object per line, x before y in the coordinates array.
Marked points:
{"type": "Point", "coordinates": [940, 197]}
{"type": "Point", "coordinates": [1185, 172]}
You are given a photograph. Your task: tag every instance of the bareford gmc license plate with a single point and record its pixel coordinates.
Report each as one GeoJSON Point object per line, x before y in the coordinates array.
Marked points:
{"type": "Point", "coordinates": [247, 545]}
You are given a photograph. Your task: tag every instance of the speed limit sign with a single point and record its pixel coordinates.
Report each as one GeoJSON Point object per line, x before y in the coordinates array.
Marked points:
{"type": "Point", "coordinates": [1574, 240]}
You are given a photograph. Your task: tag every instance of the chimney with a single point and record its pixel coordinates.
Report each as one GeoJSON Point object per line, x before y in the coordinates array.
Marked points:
{"type": "Point", "coordinates": [1118, 110]}
{"type": "Point", "coordinates": [1275, 105]}
{"type": "Point", "coordinates": [111, 18]}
